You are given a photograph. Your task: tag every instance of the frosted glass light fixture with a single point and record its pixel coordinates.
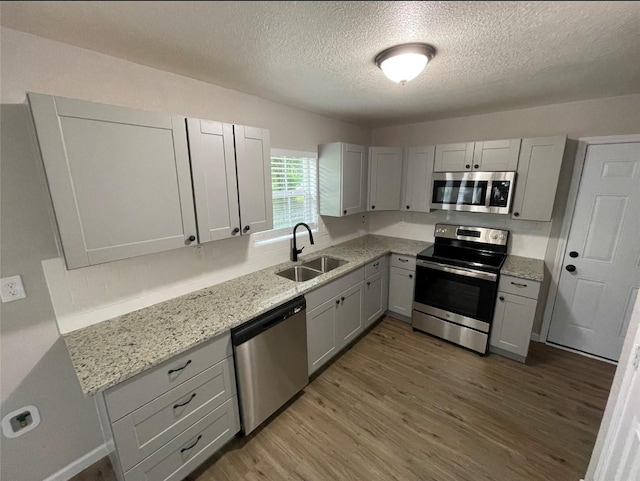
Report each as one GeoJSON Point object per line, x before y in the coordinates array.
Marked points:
{"type": "Point", "coordinates": [405, 62]}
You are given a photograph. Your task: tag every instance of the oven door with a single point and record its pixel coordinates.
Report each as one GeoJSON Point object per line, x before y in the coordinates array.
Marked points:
{"type": "Point", "coordinates": [462, 296]}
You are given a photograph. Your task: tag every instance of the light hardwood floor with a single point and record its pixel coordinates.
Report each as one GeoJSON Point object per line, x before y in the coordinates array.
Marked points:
{"type": "Point", "coordinates": [401, 405]}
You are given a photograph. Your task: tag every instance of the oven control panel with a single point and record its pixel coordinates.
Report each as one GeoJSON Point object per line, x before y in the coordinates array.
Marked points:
{"type": "Point", "coordinates": [484, 235]}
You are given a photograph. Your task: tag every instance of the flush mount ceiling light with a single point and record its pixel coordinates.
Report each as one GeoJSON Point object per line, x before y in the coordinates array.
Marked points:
{"type": "Point", "coordinates": [405, 62]}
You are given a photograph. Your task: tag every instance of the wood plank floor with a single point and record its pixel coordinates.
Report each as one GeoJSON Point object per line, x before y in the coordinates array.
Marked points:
{"type": "Point", "coordinates": [401, 405]}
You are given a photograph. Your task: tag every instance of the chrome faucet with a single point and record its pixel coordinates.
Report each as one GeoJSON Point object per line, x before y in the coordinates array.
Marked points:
{"type": "Point", "coordinates": [294, 248]}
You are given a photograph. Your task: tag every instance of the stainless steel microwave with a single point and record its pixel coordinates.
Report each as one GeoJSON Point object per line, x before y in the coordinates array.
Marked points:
{"type": "Point", "coordinates": [490, 192]}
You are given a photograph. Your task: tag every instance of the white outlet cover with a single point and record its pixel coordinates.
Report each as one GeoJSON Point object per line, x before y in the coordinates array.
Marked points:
{"type": "Point", "coordinates": [8, 431]}
{"type": "Point", "coordinates": [11, 289]}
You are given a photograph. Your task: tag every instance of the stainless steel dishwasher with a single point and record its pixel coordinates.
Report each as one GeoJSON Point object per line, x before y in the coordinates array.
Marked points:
{"type": "Point", "coordinates": [271, 361]}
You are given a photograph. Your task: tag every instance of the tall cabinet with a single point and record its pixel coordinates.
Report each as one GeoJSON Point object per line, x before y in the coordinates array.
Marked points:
{"type": "Point", "coordinates": [343, 179]}
{"type": "Point", "coordinates": [231, 179]}
{"type": "Point", "coordinates": [119, 179]}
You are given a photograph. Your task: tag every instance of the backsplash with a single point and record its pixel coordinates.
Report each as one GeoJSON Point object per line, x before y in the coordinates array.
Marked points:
{"type": "Point", "coordinates": [86, 296]}
{"type": "Point", "coordinates": [527, 238]}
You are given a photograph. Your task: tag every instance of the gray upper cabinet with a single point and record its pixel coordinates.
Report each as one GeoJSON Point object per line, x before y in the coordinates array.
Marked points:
{"type": "Point", "coordinates": [119, 179]}
{"type": "Point", "coordinates": [454, 157]}
{"type": "Point", "coordinates": [487, 156]}
{"type": "Point", "coordinates": [343, 179]}
{"type": "Point", "coordinates": [231, 168]}
{"type": "Point", "coordinates": [385, 178]}
{"type": "Point", "coordinates": [417, 179]}
{"type": "Point", "coordinates": [496, 155]}
{"type": "Point", "coordinates": [537, 177]}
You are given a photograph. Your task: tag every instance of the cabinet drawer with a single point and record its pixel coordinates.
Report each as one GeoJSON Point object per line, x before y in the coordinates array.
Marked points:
{"type": "Point", "coordinates": [186, 451]}
{"type": "Point", "coordinates": [403, 262]}
{"type": "Point", "coordinates": [376, 266]}
{"type": "Point", "coordinates": [323, 294]}
{"type": "Point", "coordinates": [145, 430]}
{"type": "Point", "coordinates": [133, 393]}
{"type": "Point", "coordinates": [519, 287]}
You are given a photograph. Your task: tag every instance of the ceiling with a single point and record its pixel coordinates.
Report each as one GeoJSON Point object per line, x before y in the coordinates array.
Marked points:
{"type": "Point", "coordinates": [319, 56]}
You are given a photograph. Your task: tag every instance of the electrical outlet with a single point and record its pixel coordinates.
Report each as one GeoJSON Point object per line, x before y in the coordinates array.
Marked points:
{"type": "Point", "coordinates": [11, 289]}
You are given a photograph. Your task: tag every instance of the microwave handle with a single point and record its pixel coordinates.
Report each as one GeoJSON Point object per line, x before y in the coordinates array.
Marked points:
{"type": "Point", "coordinates": [487, 199]}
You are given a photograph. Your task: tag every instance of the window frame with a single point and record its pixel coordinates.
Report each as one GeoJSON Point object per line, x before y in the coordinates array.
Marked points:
{"type": "Point", "coordinates": [275, 235]}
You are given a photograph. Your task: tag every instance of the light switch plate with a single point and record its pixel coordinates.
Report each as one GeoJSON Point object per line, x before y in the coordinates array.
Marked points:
{"type": "Point", "coordinates": [11, 289]}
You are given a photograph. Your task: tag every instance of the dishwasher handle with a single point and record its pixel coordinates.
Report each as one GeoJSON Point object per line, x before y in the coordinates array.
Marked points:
{"type": "Point", "coordinates": [266, 321]}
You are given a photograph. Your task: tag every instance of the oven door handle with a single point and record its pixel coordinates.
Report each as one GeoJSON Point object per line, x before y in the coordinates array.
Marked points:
{"type": "Point", "coordinates": [489, 276]}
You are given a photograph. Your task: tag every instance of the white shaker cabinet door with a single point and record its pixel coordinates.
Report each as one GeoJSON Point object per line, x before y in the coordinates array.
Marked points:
{"type": "Point", "coordinates": [496, 155]}
{"type": "Point", "coordinates": [119, 179]}
{"type": "Point", "coordinates": [417, 179]}
{"type": "Point", "coordinates": [322, 335]}
{"type": "Point", "coordinates": [253, 160]}
{"type": "Point", "coordinates": [401, 284]}
{"type": "Point", "coordinates": [350, 319]}
{"type": "Point", "coordinates": [354, 179]}
{"type": "Point", "coordinates": [375, 297]}
{"type": "Point", "coordinates": [215, 186]}
{"type": "Point", "coordinates": [385, 178]}
{"type": "Point", "coordinates": [512, 323]}
{"type": "Point", "coordinates": [454, 157]}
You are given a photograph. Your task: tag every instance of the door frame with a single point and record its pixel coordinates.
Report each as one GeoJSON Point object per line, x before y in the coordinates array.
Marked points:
{"type": "Point", "coordinates": [581, 154]}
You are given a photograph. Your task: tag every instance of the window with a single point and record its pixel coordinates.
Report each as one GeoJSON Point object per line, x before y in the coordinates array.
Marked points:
{"type": "Point", "coordinates": [294, 186]}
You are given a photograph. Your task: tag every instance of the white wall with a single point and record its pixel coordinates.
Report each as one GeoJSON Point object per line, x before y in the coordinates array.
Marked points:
{"type": "Point", "coordinates": [35, 365]}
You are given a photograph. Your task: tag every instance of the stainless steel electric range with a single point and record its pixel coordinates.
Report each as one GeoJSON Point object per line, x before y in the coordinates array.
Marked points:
{"type": "Point", "coordinates": [457, 283]}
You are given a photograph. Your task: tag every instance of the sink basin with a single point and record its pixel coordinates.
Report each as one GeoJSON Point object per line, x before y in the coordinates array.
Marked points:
{"type": "Point", "coordinates": [324, 264]}
{"type": "Point", "coordinates": [299, 273]}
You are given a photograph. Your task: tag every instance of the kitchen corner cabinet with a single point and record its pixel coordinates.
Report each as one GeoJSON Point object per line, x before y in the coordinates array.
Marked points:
{"type": "Point", "coordinates": [401, 285]}
{"type": "Point", "coordinates": [513, 317]}
{"type": "Point", "coordinates": [385, 178]}
{"type": "Point", "coordinates": [334, 317]}
{"type": "Point", "coordinates": [537, 178]}
{"type": "Point", "coordinates": [343, 179]}
{"type": "Point", "coordinates": [417, 170]}
{"type": "Point", "coordinates": [487, 156]}
{"type": "Point", "coordinates": [376, 292]}
{"type": "Point", "coordinates": [231, 167]}
{"type": "Point", "coordinates": [119, 179]}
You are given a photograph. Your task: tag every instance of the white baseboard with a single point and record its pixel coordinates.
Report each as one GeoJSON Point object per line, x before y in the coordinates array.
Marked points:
{"type": "Point", "coordinates": [80, 464]}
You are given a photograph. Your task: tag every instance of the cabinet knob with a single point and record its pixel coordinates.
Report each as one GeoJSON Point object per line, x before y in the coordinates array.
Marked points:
{"type": "Point", "coordinates": [476, 166]}
{"type": "Point", "coordinates": [468, 166]}
{"type": "Point", "coordinates": [373, 206]}
{"type": "Point", "coordinates": [516, 214]}
{"type": "Point", "coordinates": [368, 283]}
{"type": "Point", "coordinates": [246, 228]}
{"type": "Point", "coordinates": [342, 299]}
{"type": "Point", "coordinates": [408, 207]}
{"type": "Point", "coordinates": [337, 301]}
{"type": "Point", "coordinates": [190, 239]}
{"type": "Point", "coordinates": [345, 212]}
{"type": "Point", "coordinates": [571, 268]}
{"type": "Point", "coordinates": [501, 298]}
{"type": "Point", "coordinates": [410, 276]}
{"type": "Point", "coordinates": [235, 231]}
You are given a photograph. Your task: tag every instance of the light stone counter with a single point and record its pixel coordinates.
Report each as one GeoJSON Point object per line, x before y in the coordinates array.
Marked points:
{"type": "Point", "coordinates": [524, 268]}
{"type": "Point", "coordinates": [110, 352]}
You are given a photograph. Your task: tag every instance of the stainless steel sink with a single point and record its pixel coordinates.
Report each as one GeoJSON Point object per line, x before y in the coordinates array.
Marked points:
{"type": "Point", "coordinates": [324, 264]}
{"type": "Point", "coordinates": [299, 273]}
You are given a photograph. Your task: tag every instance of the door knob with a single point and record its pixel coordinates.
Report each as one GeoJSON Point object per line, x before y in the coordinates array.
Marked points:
{"type": "Point", "coordinates": [246, 228]}
{"type": "Point", "coordinates": [571, 268]}
{"type": "Point", "coordinates": [235, 231]}
{"type": "Point", "coordinates": [573, 254]}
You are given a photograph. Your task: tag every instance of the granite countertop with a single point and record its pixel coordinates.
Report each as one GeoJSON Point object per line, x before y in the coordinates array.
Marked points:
{"type": "Point", "coordinates": [524, 268]}
{"type": "Point", "coordinates": [112, 351]}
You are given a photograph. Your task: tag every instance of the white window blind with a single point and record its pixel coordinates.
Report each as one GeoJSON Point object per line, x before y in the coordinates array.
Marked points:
{"type": "Point", "coordinates": [294, 186]}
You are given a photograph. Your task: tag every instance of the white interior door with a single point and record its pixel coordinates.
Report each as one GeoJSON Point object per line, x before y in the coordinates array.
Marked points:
{"type": "Point", "coordinates": [601, 276]}
{"type": "Point", "coordinates": [620, 459]}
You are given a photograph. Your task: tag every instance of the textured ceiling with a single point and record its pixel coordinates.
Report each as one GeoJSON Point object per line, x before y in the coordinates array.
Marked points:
{"type": "Point", "coordinates": [319, 55]}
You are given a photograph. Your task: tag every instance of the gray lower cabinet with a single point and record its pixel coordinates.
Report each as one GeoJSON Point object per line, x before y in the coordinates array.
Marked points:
{"type": "Point", "coordinates": [401, 285]}
{"type": "Point", "coordinates": [335, 317]}
{"type": "Point", "coordinates": [376, 291]}
{"type": "Point", "coordinates": [165, 422]}
{"type": "Point", "coordinates": [513, 317]}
